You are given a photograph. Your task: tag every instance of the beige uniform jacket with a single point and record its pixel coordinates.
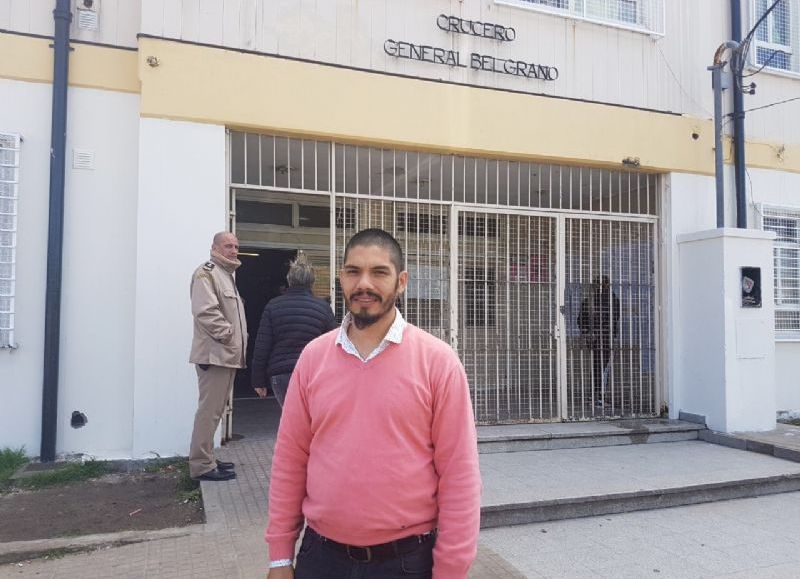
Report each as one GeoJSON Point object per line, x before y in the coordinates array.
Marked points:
{"type": "Point", "coordinates": [220, 328]}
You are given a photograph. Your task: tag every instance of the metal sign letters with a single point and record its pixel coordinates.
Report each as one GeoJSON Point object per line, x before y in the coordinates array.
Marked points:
{"type": "Point", "coordinates": [475, 61]}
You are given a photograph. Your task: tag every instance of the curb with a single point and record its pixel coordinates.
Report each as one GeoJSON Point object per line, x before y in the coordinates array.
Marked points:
{"type": "Point", "coordinates": [742, 443]}
{"type": "Point", "coordinates": [15, 551]}
{"type": "Point", "coordinates": [590, 506]}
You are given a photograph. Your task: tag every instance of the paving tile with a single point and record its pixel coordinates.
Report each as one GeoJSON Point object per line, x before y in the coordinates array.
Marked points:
{"type": "Point", "coordinates": [741, 538]}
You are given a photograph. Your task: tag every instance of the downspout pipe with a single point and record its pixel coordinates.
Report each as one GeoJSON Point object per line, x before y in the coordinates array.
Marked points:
{"type": "Point", "coordinates": [62, 17]}
{"type": "Point", "coordinates": [738, 119]}
{"type": "Point", "coordinates": [720, 81]}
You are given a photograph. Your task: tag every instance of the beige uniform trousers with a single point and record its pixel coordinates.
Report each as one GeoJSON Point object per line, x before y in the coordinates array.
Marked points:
{"type": "Point", "coordinates": [215, 387]}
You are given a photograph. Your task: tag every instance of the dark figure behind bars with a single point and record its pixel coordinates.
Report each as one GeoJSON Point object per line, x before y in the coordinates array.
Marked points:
{"type": "Point", "coordinates": [598, 320]}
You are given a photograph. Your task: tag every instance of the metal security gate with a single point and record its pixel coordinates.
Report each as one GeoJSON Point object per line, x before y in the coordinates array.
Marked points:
{"type": "Point", "coordinates": [507, 314]}
{"type": "Point", "coordinates": [541, 277]}
{"type": "Point", "coordinates": [610, 318]}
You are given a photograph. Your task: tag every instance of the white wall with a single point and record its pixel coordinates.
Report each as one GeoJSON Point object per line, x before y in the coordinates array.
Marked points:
{"type": "Point", "coordinates": [701, 360]}
{"type": "Point", "coordinates": [21, 369]}
{"type": "Point", "coordinates": [688, 206]}
{"type": "Point", "coordinates": [96, 349]}
{"type": "Point", "coordinates": [97, 322]}
{"type": "Point", "coordinates": [777, 123]}
{"type": "Point", "coordinates": [727, 353]}
{"type": "Point", "coordinates": [118, 20]}
{"type": "Point", "coordinates": [182, 203]}
{"type": "Point", "coordinates": [595, 61]}
{"type": "Point", "coordinates": [783, 189]}
{"type": "Point", "coordinates": [787, 375]}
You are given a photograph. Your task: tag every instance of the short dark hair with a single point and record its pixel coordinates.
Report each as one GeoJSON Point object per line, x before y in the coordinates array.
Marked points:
{"type": "Point", "coordinates": [381, 238]}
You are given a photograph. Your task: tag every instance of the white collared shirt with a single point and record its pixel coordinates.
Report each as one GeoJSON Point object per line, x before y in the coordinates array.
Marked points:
{"type": "Point", "coordinates": [393, 336]}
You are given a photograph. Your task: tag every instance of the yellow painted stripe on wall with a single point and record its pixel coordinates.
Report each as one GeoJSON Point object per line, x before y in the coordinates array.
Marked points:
{"type": "Point", "coordinates": [25, 58]}
{"type": "Point", "coordinates": [243, 90]}
{"type": "Point", "coordinates": [104, 68]}
{"type": "Point", "coordinates": [776, 156]}
{"type": "Point", "coordinates": [31, 59]}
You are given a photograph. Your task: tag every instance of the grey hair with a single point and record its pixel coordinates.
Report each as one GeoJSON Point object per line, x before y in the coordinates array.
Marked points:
{"type": "Point", "coordinates": [301, 272]}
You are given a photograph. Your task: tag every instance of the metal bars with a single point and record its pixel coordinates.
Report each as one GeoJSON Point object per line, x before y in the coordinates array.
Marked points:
{"type": "Point", "coordinates": [610, 324]}
{"type": "Point", "coordinates": [268, 161]}
{"type": "Point", "coordinates": [9, 184]}
{"type": "Point", "coordinates": [507, 315]}
{"type": "Point", "coordinates": [540, 276]}
{"type": "Point", "coordinates": [281, 163]}
{"type": "Point", "coordinates": [639, 14]}
{"type": "Point", "coordinates": [785, 222]}
{"type": "Point", "coordinates": [777, 39]}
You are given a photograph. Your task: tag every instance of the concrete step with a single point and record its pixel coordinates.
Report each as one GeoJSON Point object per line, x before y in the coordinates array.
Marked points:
{"type": "Point", "coordinates": [532, 486]}
{"type": "Point", "coordinates": [562, 435]}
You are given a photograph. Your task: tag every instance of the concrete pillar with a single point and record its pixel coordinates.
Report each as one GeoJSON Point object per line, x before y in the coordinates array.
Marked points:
{"type": "Point", "coordinates": [726, 354]}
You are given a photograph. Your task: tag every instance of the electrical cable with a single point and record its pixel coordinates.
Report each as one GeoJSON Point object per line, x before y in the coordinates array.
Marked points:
{"type": "Point", "coordinates": [763, 66]}
{"type": "Point", "coordinates": [772, 104]}
{"type": "Point", "coordinates": [678, 82]}
{"type": "Point", "coordinates": [744, 47]}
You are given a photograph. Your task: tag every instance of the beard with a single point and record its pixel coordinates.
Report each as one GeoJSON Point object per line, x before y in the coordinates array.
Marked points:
{"type": "Point", "coordinates": [363, 319]}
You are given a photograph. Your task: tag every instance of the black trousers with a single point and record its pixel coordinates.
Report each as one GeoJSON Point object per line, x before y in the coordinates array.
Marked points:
{"type": "Point", "coordinates": [316, 560]}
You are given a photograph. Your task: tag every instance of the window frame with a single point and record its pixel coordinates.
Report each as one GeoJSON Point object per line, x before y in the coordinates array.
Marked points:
{"type": "Point", "coordinates": [9, 178]}
{"type": "Point", "coordinates": [780, 277]}
{"type": "Point", "coordinates": [611, 23]}
{"type": "Point", "coordinates": [792, 49]}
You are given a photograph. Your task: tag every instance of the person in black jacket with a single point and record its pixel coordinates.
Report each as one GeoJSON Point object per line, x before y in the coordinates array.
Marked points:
{"type": "Point", "coordinates": [598, 321]}
{"type": "Point", "coordinates": [289, 322]}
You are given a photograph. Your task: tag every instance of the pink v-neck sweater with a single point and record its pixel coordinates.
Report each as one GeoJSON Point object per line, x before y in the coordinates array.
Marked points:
{"type": "Point", "coordinates": [371, 452]}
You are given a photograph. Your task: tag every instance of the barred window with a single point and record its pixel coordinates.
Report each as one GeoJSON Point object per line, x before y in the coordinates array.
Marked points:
{"type": "Point", "coordinates": [785, 222]}
{"type": "Point", "coordinates": [777, 39]}
{"type": "Point", "coordinates": [646, 15]}
{"type": "Point", "coordinates": [9, 181]}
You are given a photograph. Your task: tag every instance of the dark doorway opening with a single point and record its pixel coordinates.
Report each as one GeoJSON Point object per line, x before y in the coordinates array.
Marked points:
{"type": "Point", "coordinates": [261, 277]}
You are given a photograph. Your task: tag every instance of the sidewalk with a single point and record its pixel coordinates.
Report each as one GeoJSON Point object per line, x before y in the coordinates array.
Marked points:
{"type": "Point", "coordinates": [740, 538]}
{"type": "Point", "coordinates": [231, 544]}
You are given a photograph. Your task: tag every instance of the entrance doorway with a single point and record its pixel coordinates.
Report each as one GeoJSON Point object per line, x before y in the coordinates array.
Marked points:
{"type": "Point", "coordinates": [272, 227]}
{"type": "Point", "coordinates": [261, 277]}
{"type": "Point", "coordinates": [541, 276]}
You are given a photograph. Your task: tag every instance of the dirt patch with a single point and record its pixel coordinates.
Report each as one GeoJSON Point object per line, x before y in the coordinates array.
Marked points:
{"type": "Point", "coordinates": [114, 502]}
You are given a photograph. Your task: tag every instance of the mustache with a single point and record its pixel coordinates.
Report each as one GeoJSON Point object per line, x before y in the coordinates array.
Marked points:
{"type": "Point", "coordinates": [366, 293]}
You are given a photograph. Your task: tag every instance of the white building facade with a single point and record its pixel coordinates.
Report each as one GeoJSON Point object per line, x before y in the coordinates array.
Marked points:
{"type": "Point", "coordinates": [521, 151]}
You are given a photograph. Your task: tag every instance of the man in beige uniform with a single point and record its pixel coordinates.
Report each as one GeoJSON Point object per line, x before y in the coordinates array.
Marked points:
{"type": "Point", "coordinates": [218, 350]}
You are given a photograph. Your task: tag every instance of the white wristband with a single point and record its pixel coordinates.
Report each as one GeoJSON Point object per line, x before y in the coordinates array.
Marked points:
{"type": "Point", "coordinates": [280, 563]}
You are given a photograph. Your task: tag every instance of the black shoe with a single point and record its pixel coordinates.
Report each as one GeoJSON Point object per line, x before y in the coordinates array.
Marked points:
{"type": "Point", "coordinates": [216, 475]}
{"type": "Point", "coordinates": [222, 465]}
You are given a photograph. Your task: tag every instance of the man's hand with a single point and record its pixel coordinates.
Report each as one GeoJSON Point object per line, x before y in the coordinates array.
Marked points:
{"type": "Point", "coordinates": [281, 573]}
{"type": "Point", "coordinates": [262, 392]}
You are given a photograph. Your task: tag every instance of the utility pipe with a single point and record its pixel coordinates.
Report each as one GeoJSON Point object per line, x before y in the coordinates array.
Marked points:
{"type": "Point", "coordinates": [719, 83]}
{"type": "Point", "coordinates": [738, 119]}
{"type": "Point", "coordinates": [62, 17]}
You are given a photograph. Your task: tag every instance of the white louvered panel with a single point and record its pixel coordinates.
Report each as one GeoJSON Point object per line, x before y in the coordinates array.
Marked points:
{"type": "Point", "coordinates": [82, 159]}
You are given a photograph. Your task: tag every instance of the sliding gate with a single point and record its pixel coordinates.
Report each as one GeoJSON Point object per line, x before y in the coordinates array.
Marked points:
{"type": "Point", "coordinates": [541, 277]}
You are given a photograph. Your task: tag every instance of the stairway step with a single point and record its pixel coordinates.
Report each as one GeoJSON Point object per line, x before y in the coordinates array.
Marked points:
{"type": "Point", "coordinates": [564, 435]}
{"type": "Point", "coordinates": [530, 487]}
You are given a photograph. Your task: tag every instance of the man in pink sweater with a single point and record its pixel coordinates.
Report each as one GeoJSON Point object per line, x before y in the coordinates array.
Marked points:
{"type": "Point", "coordinates": [377, 449]}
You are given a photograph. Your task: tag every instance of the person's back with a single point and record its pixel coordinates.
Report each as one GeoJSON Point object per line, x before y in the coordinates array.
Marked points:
{"type": "Point", "coordinates": [289, 322]}
{"type": "Point", "coordinates": [294, 318]}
